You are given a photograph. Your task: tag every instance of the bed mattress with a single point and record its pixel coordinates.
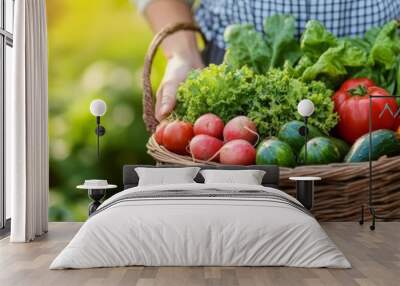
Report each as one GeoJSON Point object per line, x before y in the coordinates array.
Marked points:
{"type": "Point", "coordinates": [201, 225]}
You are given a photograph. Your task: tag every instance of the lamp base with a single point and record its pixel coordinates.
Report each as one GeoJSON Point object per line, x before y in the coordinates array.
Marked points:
{"type": "Point", "coordinates": [96, 195]}
{"type": "Point", "coordinates": [100, 130]}
{"type": "Point", "coordinates": [305, 193]}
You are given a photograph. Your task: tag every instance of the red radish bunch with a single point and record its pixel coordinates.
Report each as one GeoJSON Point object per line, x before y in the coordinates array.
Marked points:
{"type": "Point", "coordinates": [205, 147]}
{"type": "Point", "coordinates": [206, 144]}
{"type": "Point", "coordinates": [239, 135]}
{"type": "Point", "coordinates": [241, 127]}
{"type": "Point", "coordinates": [209, 124]}
{"type": "Point", "coordinates": [237, 152]}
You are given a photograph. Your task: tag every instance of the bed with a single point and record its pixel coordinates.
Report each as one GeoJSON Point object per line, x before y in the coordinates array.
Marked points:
{"type": "Point", "coordinates": [201, 224]}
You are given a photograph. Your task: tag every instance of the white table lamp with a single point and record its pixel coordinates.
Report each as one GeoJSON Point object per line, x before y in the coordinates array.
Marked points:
{"type": "Point", "coordinates": [306, 109]}
{"type": "Point", "coordinates": [98, 108]}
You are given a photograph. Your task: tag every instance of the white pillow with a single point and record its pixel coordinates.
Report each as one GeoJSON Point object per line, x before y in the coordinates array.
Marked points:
{"type": "Point", "coordinates": [248, 177]}
{"type": "Point", "coordinates": [164, 176]}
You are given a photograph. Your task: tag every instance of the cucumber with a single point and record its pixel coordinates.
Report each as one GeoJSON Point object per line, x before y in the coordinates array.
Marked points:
{"type": "Point", "coordinates": [320, 150]}
{"type": "Point", "coordinates": [275, 152]}
{"type": "Point", "coordinates": [289, 133]}
{"type": "Point", "coordinates": [342, 146]}
{"type": "Point", "coordinates": [384, 142]}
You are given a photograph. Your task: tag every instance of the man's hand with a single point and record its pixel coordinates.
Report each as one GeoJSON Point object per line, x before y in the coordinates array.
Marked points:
{"type": "Point", "coordinates": [180, 49]}
{"type": "Point", "coordinates": [178, 68]}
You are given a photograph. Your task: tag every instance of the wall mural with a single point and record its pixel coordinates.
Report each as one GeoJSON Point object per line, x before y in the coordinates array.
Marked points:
{"type": "Point", "coordinates": [272, 93]}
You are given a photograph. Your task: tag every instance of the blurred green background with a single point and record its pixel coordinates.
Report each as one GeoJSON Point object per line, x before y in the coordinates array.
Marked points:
{"type": "Point", "coordinates": [96, 50]}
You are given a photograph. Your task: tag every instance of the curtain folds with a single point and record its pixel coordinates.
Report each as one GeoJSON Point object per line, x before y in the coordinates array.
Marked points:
{"type": "Point", "coordinates": [27, 139]}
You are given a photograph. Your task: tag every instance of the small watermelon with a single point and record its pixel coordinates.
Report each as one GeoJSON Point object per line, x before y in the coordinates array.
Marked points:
{"type": "Point", "coordinates": [290, 134]}
{"type": "Point", "coordinates": [384, 142]}
{"type": "Point", "coordinates": [342, 146]}
{"type": "Point", "coordinates": [320, 150]}
{"type": "Point", "coordinates": [275, 152]}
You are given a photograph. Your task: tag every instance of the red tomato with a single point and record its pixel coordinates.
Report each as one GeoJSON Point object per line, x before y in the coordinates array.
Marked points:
{"type": "Point", "coordinates": [350, 86]}
{"type": "Point", "coordinates": [204, 147]}
{"type": "Point", "coordinates": [354, 83]}
{"type": "Point", "coordinates": [354, 114]}
{"type": "Point", "coordinates": [177, 135]}
{"type": "Point", "coordinates": [209, 124]}
{"type": "Point", "coordinates": [158, 135]}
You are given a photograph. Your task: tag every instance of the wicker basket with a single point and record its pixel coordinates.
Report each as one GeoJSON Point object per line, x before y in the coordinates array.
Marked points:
{"type": "Point", "coordinates": [344, 186]}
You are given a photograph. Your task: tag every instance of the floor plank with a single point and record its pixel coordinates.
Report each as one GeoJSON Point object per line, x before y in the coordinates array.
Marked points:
{"type": "Point", "coordinates": [375, 257]}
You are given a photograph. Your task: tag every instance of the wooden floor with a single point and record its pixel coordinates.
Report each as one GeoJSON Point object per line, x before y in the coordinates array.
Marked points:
{"type": "Point", "coordinates": [375, 257]}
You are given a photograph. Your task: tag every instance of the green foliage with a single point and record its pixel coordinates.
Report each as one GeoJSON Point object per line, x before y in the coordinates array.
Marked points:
{"type": "Point", "coordinates": [248, 47]}
{"type": "Point", "coordinates": [94, 52]}
{"type": "Point", "coordinates": [320, 55]}
{"type": "Point", "coordinates": [333, 63]}
{"type": "Point", "coordinates": [219, 89]}
{"type": "Point", "coordinates": [270, 100]}
{"type": "Point", "coordinates": [386, 47]}
{"type": "Point", "coordinates": [280, 38]}
{"type": "Point", "coordinates": [276, 99]}
{"type": "Point", "coordinates": [315, 40]}
{"type": "Point", "coordinates": [376, 56]}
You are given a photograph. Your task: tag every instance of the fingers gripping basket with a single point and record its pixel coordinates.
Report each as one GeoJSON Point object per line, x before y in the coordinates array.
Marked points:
{"type": "Point", "coordinates": [344, 186]}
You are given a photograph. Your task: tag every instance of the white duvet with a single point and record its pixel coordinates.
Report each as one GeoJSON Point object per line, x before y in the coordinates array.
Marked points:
{"type": "Point", "coordinates": [200, 231]}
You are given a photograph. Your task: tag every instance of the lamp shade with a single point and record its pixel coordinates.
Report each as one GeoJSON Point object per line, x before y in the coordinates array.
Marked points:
{"type": "Point", "coordinates": [98, 107]}
{"type": "Point", "coordinates": [305, 108]}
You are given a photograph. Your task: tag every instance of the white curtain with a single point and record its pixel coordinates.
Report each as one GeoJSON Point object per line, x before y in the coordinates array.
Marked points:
{"type": "Point", "coordinates": [26, 124]}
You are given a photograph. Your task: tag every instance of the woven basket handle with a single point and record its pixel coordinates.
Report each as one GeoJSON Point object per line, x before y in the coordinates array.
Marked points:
{"type": "Point", "coordinates": [148, 101]}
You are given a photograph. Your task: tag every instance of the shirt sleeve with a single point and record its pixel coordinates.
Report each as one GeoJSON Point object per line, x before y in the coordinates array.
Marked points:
{"type": "Point", "coordinates": [142, 4]}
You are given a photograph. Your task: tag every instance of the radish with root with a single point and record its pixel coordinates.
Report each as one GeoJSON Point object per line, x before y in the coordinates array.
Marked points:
{"type": "Point", "coordinates": [241, 127]}
{"type": "Point", "coordinates": [205, 147]}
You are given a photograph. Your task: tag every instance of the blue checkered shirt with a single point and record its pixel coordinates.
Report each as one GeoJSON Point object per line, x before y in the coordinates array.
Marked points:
{"type": "Point", "coordinates": [341, 17]}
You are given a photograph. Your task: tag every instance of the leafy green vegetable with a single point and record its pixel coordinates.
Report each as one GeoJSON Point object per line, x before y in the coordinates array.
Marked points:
{"type": "Point", "coordinates": [371, 34]}
{"type": "Point", "coordinates": [280, 37]}
{"type": "Point", "coordinates": [383, 48]}
{"type": "Point", "coordinates": [221, 90]}
{"type": "Point", "coordinates": [246, 47]}
{"type": "Point", "coordinates": [328, 58]}
{"type": "Point", "coordinates": [278, 95]}
{"type": "Point", "coordinates": [302, 65]}
{"type": "Point", "coordinates": [316, 40]}
{"type": "Point", "coordinates": [386, 46]}
{"type": "Point", "coordinates": [360, 43]}
{"type": "Point", "coordinates": [320, 55]}
{"type": "Point", "coordinates": [270, 100]}
{"type": "Point", "coordinates": [333, 62]}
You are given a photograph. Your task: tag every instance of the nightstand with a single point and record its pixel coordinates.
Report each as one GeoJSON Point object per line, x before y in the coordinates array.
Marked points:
{"type": "Point", "coordinates": [96, 190]}
{"type": "Point", "coordinates": [305, 190]}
